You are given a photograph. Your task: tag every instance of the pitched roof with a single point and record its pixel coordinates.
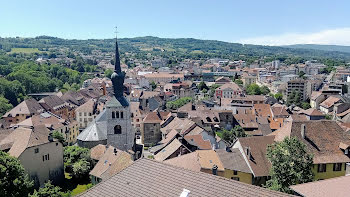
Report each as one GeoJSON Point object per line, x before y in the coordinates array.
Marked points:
{"type": "Point", "coordinates": [322, 138]}
{"type": "Point", "coordinates": [111, 163]}
{"type": "Point", "coordinates": [52, 101]}
{"type": "Point", "coordinates": [279, 110]}
{"type": "Point", "coordinates": [168, 150]}
{"type": "Point", "coordinates": [155, 117]}
{"type": "Point", "coordinates": [89, 106]}
{"type": "Point", "coordinates": [23, 138]}
{"type": "Point", "coordinates": [330, 101]}
{"type": "Point", "coordinates": [181, 126]}
{"type": "Point", "coordinates": [258, 148]}
{"type": "Point", "coordinates": [232, 86]}
{"type": "Point", "coordinates": [97, 151]}
{"type": "Point", "coordinates": [233, 160]}
{"type": "Point", "coordinates": [151, 178]}
{"type": "Point", "coordinates": [96, 130]}
{"type": "Point", "coordinates": [315, 95]}
{"type": "Point", "coordinates": [46, 119]}
{"type": "Point", "coordinates": [197, 140]}
{"type": "Point", "coordinates": [330, 187]}
{"type": "Point", "coordinates": [28, 107]}
{"type": "Point", "coordinates": [311, 112]}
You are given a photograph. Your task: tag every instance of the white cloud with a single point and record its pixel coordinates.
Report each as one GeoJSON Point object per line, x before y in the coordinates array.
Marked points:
{"type": "Point", "coordinates": [340, 36]}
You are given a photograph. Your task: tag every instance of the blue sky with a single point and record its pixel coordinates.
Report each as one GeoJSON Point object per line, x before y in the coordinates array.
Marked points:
{"type": "Point", "coordinates": [269, 22]}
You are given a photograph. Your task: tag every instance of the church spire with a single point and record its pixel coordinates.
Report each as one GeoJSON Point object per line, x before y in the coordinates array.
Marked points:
{"type": "Point", "coordinates": [117, 68]}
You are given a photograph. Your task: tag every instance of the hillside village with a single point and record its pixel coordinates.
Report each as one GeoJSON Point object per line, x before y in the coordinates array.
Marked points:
{"type": "Point", "coordinates": [151, 125]}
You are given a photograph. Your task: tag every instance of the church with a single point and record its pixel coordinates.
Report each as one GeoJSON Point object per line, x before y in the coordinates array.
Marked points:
{"type": "Point", "coordinates": [113, 125]}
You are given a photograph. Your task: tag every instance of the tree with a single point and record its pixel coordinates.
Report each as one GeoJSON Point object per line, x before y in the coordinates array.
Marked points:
{"type": "Point", "coordinates": [238, 82]}
{"type": "Point", "coordinates": [13, 179]}
{"type": "Point", "coordinates": [278, 96]}
{"type": "Point", "coordinates": [305, 105]}
{"type": "Point", "coordinates": [253, 89]}
{"type": "Point", "coordinates": [48, 190]}
{"type": "Point", "coordinates": [290, 164]}
{"type": "Point", "coordinates": [264, 90]}
{"type": "Point", "coordinates": [108, 73]}
{"type": "Point", "coordinates": [202, 86]}
{"type": "Point", "coordinates": [301, 74]}
{"type": "Point", "coordinates": [81, 168]}
{"type": "Point", "coordinates": [57, 135]}
{"type": "Point", "coordinates": [153, 85]}
{"type": "Point", "coordinates": [4, 105]}
{"type": "Point", "coordinates": [73, 154]}
{"type": "Point", "coordinates": [231, 135]}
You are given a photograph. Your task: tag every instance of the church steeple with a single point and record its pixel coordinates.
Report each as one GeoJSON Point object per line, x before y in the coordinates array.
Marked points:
{"type": "Point", "coordinates": [118, 76]}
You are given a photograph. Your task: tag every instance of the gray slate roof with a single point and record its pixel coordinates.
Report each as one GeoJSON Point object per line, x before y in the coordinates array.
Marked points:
{"type": "Point", "coordinates": [147, 177]}
{"type": "Point", "coordinates": [96, 130]}
{"type": "Point", "coordinates": [117, 102]}
{"type": "Point", "coordinates": [233, 160]}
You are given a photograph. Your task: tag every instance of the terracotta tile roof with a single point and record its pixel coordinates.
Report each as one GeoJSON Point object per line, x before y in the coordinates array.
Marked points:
{"type": "Point", "coordinates": [232, 86]}
{"type": "Point", "coordinates": [258, 147]}
{"type": "Point", "coordinates": [23, 138]}
{"type": "Point", "coordinates": [150, 178]}
{"type": "Point", "coordinates": [344, 113]}
{"type": "Point", "coordinates": [169, 137]}
{"type": "Point", "coordinates": [297, 117]}
{"type": "Point", "coordinates": [315, 95]}
{"type": "Point", "coordinates": [97, 152]}
{"type": "Point", "coordinates": [330, 187]}
{"type": "Point", "coordinates": [46, 119]}
{"type": "Point", "coordinates": [27, 107]}
{"type": "Point", "coordinates": [279, 111]}
{"type": "Point", "coordinates": [89, 106]}
{"type": "Point", "coordinates": [197, 140]}
{"type": "Point", "coordinates": [330, 101]}
{"type": "Point", "coordinates": [168, 150]}
{"type": "Point", "coordinates": [311, 112]}
{"type": "Point", "coordinates": [111, 163]}
{"type": "Point", "coordinates": [263, 110]}
{"type": "Point", "coordinates": [233, 160]}
{"type": "Point", "coordinates": [52, 101]}
{"type": "Point", "coordinates": [155, 117]}
{"type": "Point", "coordinates": [181, 126]}
{"type": "Point", "coordinates": [200, 159]}
{"type": "Point", "coordinates": [322, 138]}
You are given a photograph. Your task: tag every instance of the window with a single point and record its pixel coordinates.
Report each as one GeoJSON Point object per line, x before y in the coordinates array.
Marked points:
{"type": "Point", "coordinates": [84, 113]}
{"type": "Point", "coordinates": [337, 166]}
{"type": "Point", "coordinates": [117, 114]}
{"type": "Point", "coordinates": [121, 114]}
{"type": "Point", "coordinates": [80, 114]}
{"type": "Point", "coordinates": [235, 172]}
{"type": "Point", "coordinates": [113, 114]}
{"type": "Point", "coordinates": [321, 168]}
{"type": "Point", "coordinates": [36, 150]}
{"type": "Point", "coordinates": [56, 144]}
{"type": "Point", "coordinates": [235, 178]}
{"type": "Point", "coordinates": [117, 129]}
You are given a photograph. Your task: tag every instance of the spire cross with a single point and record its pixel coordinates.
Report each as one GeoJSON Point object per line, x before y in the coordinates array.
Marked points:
{"type": "Point", "coordinates": [116, 31]}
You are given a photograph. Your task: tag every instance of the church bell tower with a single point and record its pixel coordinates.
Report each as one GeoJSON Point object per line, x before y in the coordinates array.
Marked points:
{"type": "Point", "coordinates": [120, 133]}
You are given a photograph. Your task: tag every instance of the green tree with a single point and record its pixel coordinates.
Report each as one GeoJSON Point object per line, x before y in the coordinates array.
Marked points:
{"type": "Point", "coordinates": [153, 85]}
{"type": "Point", "coordinates": [290, 164]}
{"type": "Point", "coordinates": [13, 179]}
{"type": "Point", "coordinates": [73, 154]}
{"type": "Point", "coordinates": [58, 135]}
{"type": "Point", "coordinates": [253, 89]}
{"type": "Point", "coordinates": [48, 190]}
{"type": "Point", "coordinates": [301, 74]}
{"type": "Point", "coordinates": [305, 105]}
{"type": "Point", "coordinates": [264, 90]}
{"type": "Point", "coordinates": [238, 82]}
{"type": "Point", "coordinates": [178, 103]}
{"type": "Point", "coordinates": [108, 73]}
{"type": "Point", "coordinates": [278, 96]}
{"type": "Point", "coordinates": [234, 133]}
{"type": "Point", "coordinates": [81, 168]}
{"type": "Point", "coordinates": [201, 86]}
{"type": "Point", "coordinates": [4, 105]}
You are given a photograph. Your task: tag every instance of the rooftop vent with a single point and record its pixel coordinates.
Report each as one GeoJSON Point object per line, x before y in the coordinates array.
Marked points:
{"type": "Point", "coordinates": [185, 193]}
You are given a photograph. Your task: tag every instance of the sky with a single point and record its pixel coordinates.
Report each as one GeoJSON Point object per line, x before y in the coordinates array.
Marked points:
{"type": "Point", "coordinates": [266, 22]}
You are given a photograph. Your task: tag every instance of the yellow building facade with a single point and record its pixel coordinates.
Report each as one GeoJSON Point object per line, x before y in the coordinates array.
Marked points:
{"type": "Point", "coordinates": [328, 170]}
{"type": "Point", "coordinates": [239, 176]}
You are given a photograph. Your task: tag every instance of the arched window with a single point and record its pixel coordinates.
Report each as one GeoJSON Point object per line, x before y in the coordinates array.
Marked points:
{"type": "Point", "coordinates": [113, 114]}
{"type": "Point", "coordinates": [117, 129]}
{"type": "Point", "coordinates": [117, 114]}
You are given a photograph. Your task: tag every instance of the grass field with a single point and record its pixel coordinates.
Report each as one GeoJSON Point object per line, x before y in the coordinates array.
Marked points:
{"type": "Point", "coordinates": [25, 50]}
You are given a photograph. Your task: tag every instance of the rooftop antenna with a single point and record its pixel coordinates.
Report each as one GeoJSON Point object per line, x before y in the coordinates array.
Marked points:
{"type": "Point", "coordinates": [116, 32]}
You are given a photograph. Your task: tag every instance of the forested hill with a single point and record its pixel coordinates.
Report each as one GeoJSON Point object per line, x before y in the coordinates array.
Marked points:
{"type": "Point", "coordinates": [182, 47]}
{"type": "Point", "coordinates": [338, 48]}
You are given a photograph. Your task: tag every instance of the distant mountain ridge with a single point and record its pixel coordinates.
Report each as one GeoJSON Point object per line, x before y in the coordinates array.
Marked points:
{"type": "Point", "coordinates": [338, 48]}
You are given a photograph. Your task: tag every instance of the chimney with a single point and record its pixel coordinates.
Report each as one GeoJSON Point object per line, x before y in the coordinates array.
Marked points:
{"type": "Point", "coordinates": [215, 169]}
{"type": "Point", "coordinates": [50, 138]}
{"type": "Point", "coordinates": [115, 151]}
{"type": "Point", "coordinates": [303, 129]}
{"type": "Point", "coordinates": [249, 154]}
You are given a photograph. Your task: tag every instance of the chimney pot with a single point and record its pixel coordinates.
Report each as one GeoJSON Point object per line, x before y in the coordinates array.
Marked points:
{"type": "Point", "coordinates": [215, 169]}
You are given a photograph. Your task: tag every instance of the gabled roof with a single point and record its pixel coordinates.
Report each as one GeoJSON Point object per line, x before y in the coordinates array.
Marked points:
{"type": "Point", "coordinates": [330, 101]}
{"type": "Point", "coordinates": [111, 163]}
{"type": "Point", "coordinates": [233, 160]}
{"type": "Point", "coordinates": [46, 119]}
{"type": "Point", "coordinates": [156, 117]}
{"type": "Point", "coordinates": [198, 141]}
{"type": "Point", "coordinates": [258, 161]}
{"type": "Point", "coordinates": [311, 112]}
{"type": "Point", "coordinates": [232, 86]}
{"type": "Point", "coordinates": [181, 126]}
{"type": "Point", "coordinates": [52, 101]}
{"type": "Point", "coordinates": [89, 106]}
{"type": "Point", "coordinates": [22, 138]}
{"type": "Point", "coordinates": [168, 150]}
{"type": "Point", "coordinates": [322, 139]}
{"type": "Point", "coordinates": [315, 95]}
{"type": "Point", "coordinates": [147, 177]}
{"type": "Point", "coordinates": [27, 107]}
